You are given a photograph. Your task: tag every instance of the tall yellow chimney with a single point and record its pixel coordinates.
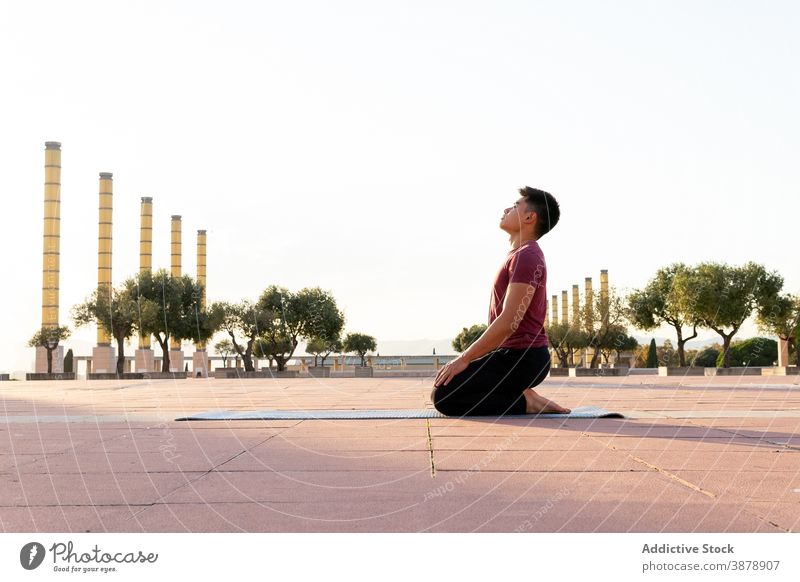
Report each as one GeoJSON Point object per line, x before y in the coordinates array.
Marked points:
{"type": "Point", "coordinates": [175, 253]}
{"type": "Point", "coordinates": [564, 307]}
{"type": "Point", "coordinates": [589, 298]}
{"type": "Point", "coordinates": [604, 284]}
{"type": "Point", "coordinates": [145, 249]}
{"type": "Point", "coordinates": [604, 293]}
{"type": "Point", "coordinates": [51, 252]}
{"type": "Point", "coordinates": [52, 233]}
{"type": "Point", "coordinates": [175, 248]}
{"type": "Point", "coordinates": [554, 307]}
{"type": "Point", "coordinates": [201, 270]}
{"type": "Point", "coordinates": [104, 244]}
{"type": "Point", "coordinates": [200, 358]}
{"type": "Point", "coordinates": [576, 305]}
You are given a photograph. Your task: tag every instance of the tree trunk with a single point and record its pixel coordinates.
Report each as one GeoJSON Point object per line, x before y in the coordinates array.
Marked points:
{"type": "Point", "coordinates": [681, 342]}
{"type": "Point", "coordinates": [165, 351]}
{"type": "Point", "coordinates": [121, 356]}
{"type": "Point", "coordinates": [49, 360]}
{"type": "Point", "coordinates": [726, 352]}
{"type": "Point", "coordinates": [247, 357]}
{"type": "Point", "coordinates": [595, 356]}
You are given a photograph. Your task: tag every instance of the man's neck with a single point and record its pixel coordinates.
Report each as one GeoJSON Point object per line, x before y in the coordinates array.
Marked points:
{"type": "Point", "coordinates": [519, 239]}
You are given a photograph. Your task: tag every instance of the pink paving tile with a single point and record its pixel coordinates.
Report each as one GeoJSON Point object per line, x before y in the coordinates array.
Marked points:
{"type": "Point", "coordinates": [535, 461]}
{"type": "Point", "coordinates": [282, 459]}
{"type": "Point", "coordinates": [169, 461]}
{"type": "Point", "coordinates": [724, 460]}
{"type": "Point", "coordinates": [516, 443]}
{"type": "Point", "coordinates": [746, 486]}
{"type": "Point", "coordinates": [709, 445]}
{"type": "Point", "coordinates": [304, 443]}
{"type": "Point", "coordinates": [667, 515]}
{"type": "Point", "coordinates": [98, 489]}
{"type": "Point", "coordinates": [303, 486]}
{"type": "Point", "coordinates": [78, 519]}
{"type": "Point", "coordinates": [786, 515]}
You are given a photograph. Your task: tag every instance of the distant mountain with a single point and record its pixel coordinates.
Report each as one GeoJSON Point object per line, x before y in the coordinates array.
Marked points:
{"type": "Point", "coordinates": [693, 344]}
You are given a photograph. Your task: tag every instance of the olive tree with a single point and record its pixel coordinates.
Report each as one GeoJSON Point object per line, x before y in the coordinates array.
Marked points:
{"type": "Point", "coordinates": [48, 338]}
{"type": "Point", "coordinates": [663, 302]}
{"type": "Point", "coordinates": [171, 309]}
{"type": "Point", "coordinates": [359, 343]}
{"type": "Point", "coordinates": [724, 296]}
{"type": "Point", "coordinates": [309, 313]}
{"type": "Point", "coordinates": [115, 310]}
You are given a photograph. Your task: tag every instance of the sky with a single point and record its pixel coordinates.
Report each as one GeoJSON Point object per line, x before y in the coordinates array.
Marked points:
{"type": "Point", "coordinates": [369, 148]}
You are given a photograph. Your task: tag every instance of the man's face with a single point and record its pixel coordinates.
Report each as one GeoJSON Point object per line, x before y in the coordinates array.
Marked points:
{"type": "Point", "coordinates": [517, 216]}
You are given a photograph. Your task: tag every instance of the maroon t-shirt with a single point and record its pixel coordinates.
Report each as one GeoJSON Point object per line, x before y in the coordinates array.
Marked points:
{"type": "Point", "coordinates": [524, 264]}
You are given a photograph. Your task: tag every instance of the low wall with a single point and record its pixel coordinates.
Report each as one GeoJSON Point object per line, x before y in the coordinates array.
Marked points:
{"type": "Point", "coordinates": [681, 371]}
{"type": "Point", "coordinates": [780, 371]}
{"type": "Point", "coordinates": [643, 372]}
{"type": "Point", "coordinates": [733, 371]}
{"type": "Point", "coordinates": [46, 376]}
{"type": "Point", "coordinates": [242, 375]}
{"type": "Point", "coordinates": [580, 372]}
{"type": "Point", "coordinates": [363, 371]}
{"type": "Point", "coordinates": [137, 376]}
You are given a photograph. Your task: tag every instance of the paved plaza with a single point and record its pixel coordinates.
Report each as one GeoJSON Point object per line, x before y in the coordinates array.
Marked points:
{"type": "Point", "coordinates": [716, 454]}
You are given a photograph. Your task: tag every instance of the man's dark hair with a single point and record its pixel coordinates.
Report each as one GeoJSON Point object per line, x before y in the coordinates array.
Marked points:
{"type": "Point", "coordinates": [545, 206]}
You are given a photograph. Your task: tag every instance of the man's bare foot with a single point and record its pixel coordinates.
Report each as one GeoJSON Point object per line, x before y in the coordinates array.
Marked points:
{"type": "Point", "coordinates": [538, 404]}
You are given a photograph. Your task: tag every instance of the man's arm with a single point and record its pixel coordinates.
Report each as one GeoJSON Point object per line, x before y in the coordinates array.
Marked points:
{"type": "Point", "coordinates": [518, 298]}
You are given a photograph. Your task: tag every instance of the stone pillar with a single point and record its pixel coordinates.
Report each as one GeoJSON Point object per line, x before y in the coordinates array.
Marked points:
{"type": "Point", "coordinates": [51, 253]}
{"type": "Point", "coordinates": [144, 357]}
{"type": "Point", "coordinates": [41, 360]}
{"type": "Point", "coordinates": [145, 360]}
{"type": "Point", "coordinates": [546, 313]}
{"type": "Point", "coordinates": [200, 366]}
{"type": "Point", "coordinates": [176, 360]}
{"type": "Point", "coordinates": [564, 307]}
{"type": "Point", "coordinates": [104, 354]}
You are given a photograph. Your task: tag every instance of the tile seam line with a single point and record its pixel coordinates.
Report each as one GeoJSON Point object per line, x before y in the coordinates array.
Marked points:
{"type": "Point", "coordinates": [211, 470]}
{"type": "Point", "coordinates": [430, 448]}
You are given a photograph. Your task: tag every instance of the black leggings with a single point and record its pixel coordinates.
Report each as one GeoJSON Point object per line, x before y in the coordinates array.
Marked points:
{"type": "Point", "coordinates": [493, 384]}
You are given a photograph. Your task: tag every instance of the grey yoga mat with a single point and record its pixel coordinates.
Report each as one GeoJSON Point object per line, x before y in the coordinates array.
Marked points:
{"type": "Point", "coordinates": [579, 412]}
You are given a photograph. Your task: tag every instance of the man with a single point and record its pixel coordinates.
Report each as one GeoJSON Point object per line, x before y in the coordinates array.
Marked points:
{"type": "Point", "coordinates": [497, 373]}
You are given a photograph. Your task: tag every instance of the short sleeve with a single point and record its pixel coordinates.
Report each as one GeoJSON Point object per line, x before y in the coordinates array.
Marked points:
{"type": "Point", "coordinates": [527, 267]}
